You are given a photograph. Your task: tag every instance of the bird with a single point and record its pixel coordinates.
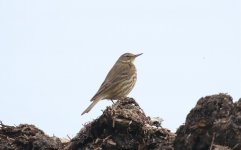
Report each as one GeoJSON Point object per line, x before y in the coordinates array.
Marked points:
{"type": "Point", "coordinates": [119, 81]}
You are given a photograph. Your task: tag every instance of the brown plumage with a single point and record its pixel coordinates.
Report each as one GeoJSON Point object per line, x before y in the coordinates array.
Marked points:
{"type": "Point", "coordinates": [119, 81]}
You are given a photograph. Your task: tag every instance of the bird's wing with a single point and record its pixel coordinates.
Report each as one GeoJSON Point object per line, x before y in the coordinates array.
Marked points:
{"type": "Point", "coordinates": [115, 75]}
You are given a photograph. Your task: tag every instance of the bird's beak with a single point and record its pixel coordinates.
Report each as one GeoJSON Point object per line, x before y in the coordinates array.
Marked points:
{"type": "Point", "coordinates": [138, 55]}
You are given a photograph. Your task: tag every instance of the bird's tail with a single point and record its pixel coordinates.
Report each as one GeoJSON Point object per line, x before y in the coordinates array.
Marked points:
{"type": "Point", "coordinates": [90, 106]}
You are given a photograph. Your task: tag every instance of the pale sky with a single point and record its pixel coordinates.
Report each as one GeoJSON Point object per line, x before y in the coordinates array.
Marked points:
{"type": "Point", "coordinates": [55, 54]}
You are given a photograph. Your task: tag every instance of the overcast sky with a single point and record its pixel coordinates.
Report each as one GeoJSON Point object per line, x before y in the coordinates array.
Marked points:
{"type": "Point", "coordinates": [55, 54]}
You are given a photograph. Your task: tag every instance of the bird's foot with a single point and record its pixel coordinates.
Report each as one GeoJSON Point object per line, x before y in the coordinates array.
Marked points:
{"type": "Point", "coordinates": [128, 100]}
{"type": "Point", "coordinates": [112, 101]}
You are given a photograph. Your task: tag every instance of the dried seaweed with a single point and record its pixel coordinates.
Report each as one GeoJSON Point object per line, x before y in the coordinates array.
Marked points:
{"type": "Point", "coordinates": [213, 124]}
{"type": "Point", "coordinates": [215, 120]}
{"type": "Point", "coordinates": [26, 137]}
{"type": "Point", "coordinates": [124, 126]}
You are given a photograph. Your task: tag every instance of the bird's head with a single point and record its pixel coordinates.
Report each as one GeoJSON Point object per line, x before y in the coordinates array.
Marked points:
{"type": "Point", "coordinates": [128, 57]}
